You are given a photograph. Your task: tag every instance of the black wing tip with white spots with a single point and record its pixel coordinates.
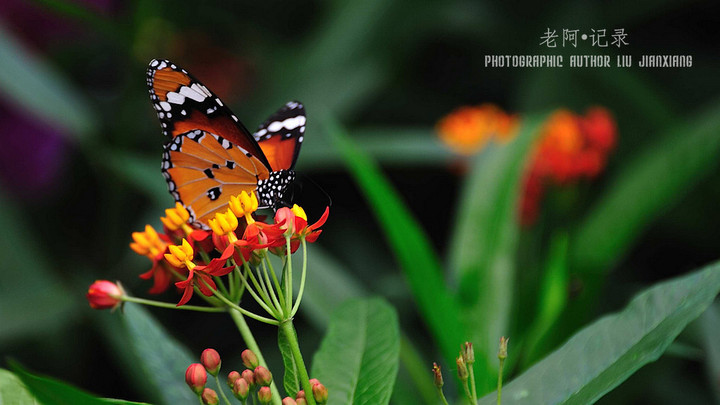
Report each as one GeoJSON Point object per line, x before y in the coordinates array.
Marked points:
{"type": "Point", "coordinates": [288, 122]}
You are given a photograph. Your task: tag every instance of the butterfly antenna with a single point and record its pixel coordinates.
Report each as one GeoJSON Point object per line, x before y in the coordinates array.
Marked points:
{"type": "Point", "coordinates": [329, 199]}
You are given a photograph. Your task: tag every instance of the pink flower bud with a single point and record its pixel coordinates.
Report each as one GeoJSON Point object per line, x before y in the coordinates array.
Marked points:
{"type": "Point", "coordinates": [263, 376]}
{"type": "Point", "coordinates": [314, 381]}
{"type": "Point", "coordinates": [209, 397]}
{"type": "Point", "coordinates": [249, 359]}
{"type": "Point", "coordinates": [320, 393]}
{"type": "Point", "coordinates": [196, 377]}
{"type": "Point", "coordinates": [104, 294]}
{"type": "Point", "coordinates": [241, 389]}
{"type": "Point", "coordinates": [232, 376]}
{"type": "Point", "coordinates": [249, 376]}
{"type": "Point", "coordinates": [288, 401]}
{"type": "Point", "coordinates": [468, 353]}
{"type": "Point", "coordinates": [301, 401]}
{"type": "Point", "coordinates": [300, 394]}
{"type": "Point", "coordinates": [264, 395]}
{"type": "Point", "coordinates": [210, 359]}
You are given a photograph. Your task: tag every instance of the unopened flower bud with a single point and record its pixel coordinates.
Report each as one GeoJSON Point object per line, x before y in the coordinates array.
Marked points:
{"type": "Point", "coordinates": [300, 394]}
{"type": "Point", "coordinates": [232, 377]}
{"type": "Point", "coordinates": [502, 353]}
{"type": "Point", "coordinates": [241, 389]}
{"type": "Point", "coordinates": [314, 381]}
{"type": "Point", "coordinates": [288, 401]}
{"type": "Point", "coordinates": [301, 401]}
{"type": "Point", "coordinates": [209, 397]}
{"type": "Point", "coordinates": [249, 376]}
{"type": "Point", "coordinates": [437, 376]}
{"type": "Point", "coordinates": [462, 369]}
{"type": "Point", "coordinates": [210, 359]}
{"type": "Point", "coordinates": [320, 393]}
{"type": "Point", "coordinates": [196, 377]}
{"type": "Point", "coordinates": [468, 353]}
{"type": "Point", "coordinates": [104, 294]}
{"type": "Point", "coordinates": [264, 395]}
{"type": "Point", "coordinates": [249, 359]}
{"type": "Point", "coordinates": [263, 376]}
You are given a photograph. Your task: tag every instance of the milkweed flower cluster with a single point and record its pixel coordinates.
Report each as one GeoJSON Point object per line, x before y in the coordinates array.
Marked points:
{"type": "Point", "coordinates": [468, 129]}
{"type": "Point", "coordinates": [569, 148]}
{"type": "Point", "coordinates": [236, 245]}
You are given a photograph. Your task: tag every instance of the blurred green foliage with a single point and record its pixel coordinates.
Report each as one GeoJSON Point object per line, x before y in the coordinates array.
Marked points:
{"type": "Point", "coordinates": [374, 76]}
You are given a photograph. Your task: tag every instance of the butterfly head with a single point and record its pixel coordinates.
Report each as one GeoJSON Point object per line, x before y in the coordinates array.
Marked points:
{"type": "Point", "coordinates": [271, 192]}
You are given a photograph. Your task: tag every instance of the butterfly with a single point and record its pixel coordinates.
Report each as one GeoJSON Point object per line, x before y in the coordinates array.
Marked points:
{"type": "Point", "coordinates": [210, 155]}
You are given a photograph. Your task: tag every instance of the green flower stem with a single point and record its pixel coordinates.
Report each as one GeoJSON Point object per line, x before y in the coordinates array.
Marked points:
{"type": "Point", "coordinates": [275, 280]}
{"type": "Point", "coordinates": [473, 391]}
{"type": "Point", "coordinates": [278, 305]}
{"type": "Point", "coordinates": [242, 311]}
{"type": "Point", "coordinates": [288, 279]}
{"type": "Point", "coordinates": [252, 345]}
{"type": "Point", "coordinates": [172, 306]}
{"type": "Point", "coordinates": [442, 396]}
{"type": "Point", "coordinates": [200, 399]}
{"type": "Point", "coordinates": [302, 279]}
{"type": "Point", "coordinates": [264, 301]}
{"type": "Point", "coordinates": [499, 387]}
{"type": "Point", "coordinates": [221, 284]}
{"type": "Point", "coordinates": [222, 392]}
{"type": "Point", "coordinates": [288, 329]}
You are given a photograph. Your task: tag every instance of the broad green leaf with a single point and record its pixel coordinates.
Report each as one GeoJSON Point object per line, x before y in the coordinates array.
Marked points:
{"type": "Point", "coordinates": [604, 354]}
{"type": "Point", "coordinates": [649, 184]}
{"type": "Point", "coordinates": [35, 85]}
{"type": "Point", "coordinates": [46, 390]}
{"type": "Point", "coordinates": [358, 358]}
{"type": "Point", "coordinates": [159, 356]}
{"type": "Point", "coordinates": [710, 329]}
{"type": "Point", "coordinates": [483, 244]}
{"type": "Point", "coordinates": [291, 381]}
{"type": "Point", "coordinates": [552, 300]}
{"type": "Point", "coordinates": [411, 246]}
{"type": "Point", "coordinates": [13, 391]}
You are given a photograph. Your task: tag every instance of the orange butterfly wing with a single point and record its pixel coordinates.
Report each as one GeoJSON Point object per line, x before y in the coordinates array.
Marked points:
{"type": "Point", "coordinates": [184, 104]}
{"type": "Point", "coordinates": [281, 136]}
{"type": "Point", "coordinates": [203, 170]}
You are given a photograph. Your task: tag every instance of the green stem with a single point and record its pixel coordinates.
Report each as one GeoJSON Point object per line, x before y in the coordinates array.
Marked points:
{"type": "Point", "coordinates": [288, 280]}
{"type": "Point", "coordinates": [252, 345]}
{"type": "Point", "coordinates": [442, 396]}
{"type": "Point", "coordinates": [279, 290]}
{"type": "Point", "coordinates": [222, 392]}
{"type": "Point", "coordinates": [499, 387]}
{"type": "Point", "coordinates": [473, 391]}
{"type": "Point", "coordinates": [278, 306]}
{"type": "Point", "coordinates": [172, 306]}
{"type": "Point", "coordinates": [242, 311]}
{"type": "Point", "coordinates": [302, 280]}
{"type": "Point", "coordinates": [289, 330]}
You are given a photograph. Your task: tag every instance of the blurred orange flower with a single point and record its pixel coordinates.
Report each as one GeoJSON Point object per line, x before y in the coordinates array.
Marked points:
{"type": "Point", "coordinates": [468, 129]}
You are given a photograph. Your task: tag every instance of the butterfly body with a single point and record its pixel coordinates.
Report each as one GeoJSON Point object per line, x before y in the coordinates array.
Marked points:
{"type": "Point", "coordinates": [210, 156]}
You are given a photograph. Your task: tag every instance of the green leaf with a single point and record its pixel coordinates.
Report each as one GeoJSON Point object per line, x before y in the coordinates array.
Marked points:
{"type": "Point", "coordinates": [411, 246]}
{"type": "Point", "coordinates": [46, 390]}
{"type": "Point", "coordinates": [552, 300]}
{"type": "Point", "coordinates": [291, 381]}
{"type": "Point", "coordinates": [159, 356]}
{"type": "Point", "coordinates": [655, 180]}
{"type": "Point", "coordinates": [483, 244]}
{"type": "Point", "coordinates": [710, 329]}
{"type": "Point", "coordinates": [604, 354]}
{"type": "Point", "coordinates": [358, 358]}
{"type": "Point", "coordinates": [35, 85]}
{"type": "Point", "coordinates": [13, 391]}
